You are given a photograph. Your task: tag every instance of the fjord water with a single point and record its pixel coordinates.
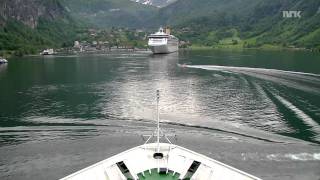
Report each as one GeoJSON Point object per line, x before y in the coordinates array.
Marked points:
{"type": "Point", "coordinates": [260, 108]}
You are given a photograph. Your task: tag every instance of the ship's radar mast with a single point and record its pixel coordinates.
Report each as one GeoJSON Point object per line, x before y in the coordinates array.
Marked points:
{"type": "Point", "coordinates": [158, 133]}
{"type": "Point", "coordinates": [158, 120]}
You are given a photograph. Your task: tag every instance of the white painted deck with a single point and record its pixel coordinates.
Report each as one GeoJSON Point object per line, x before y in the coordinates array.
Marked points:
{"type": "Point", "coordinates": [176, 158]}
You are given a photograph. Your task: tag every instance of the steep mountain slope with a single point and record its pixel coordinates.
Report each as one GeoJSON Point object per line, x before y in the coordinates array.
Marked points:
{"type": "Point", "coordinates": [29, 25]}
{"type": "Point", "coordinates": [267, 24]}
{"type": "Point", "coordinates": [185, 10]}
{"type": "Point", "coordinates": [259, 22]}
{"type": "Point", "coordinates": [109, 13]}
{"type": "Point", "coordinates": [29, 11]}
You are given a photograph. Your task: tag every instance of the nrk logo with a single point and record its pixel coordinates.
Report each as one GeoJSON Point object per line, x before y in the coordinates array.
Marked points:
{"type": "Point", "coordinates": [291, 14]}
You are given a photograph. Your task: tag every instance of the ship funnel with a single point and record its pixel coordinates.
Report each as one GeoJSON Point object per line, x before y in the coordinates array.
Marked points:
{"type": "Point", "coordinates": [167, 30]}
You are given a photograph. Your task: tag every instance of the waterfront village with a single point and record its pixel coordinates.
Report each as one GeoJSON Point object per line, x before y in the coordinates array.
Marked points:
{"type": "Point", "coordinates": [104, 41]}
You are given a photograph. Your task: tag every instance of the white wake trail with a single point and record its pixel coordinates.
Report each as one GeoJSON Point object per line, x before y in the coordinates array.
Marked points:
{"type": "Point", "coordinates": [301, 115]}
{"type": "Point", "coordinates": [214, 67]}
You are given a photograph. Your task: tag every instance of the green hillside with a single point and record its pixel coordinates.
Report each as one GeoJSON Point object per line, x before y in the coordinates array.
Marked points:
{"type": "Point", "coordinates": [21, 39]}
{"type": "Point", "coordinates": [46, 24]}
{"type": "Point", "coordinates": [34, 24]}
{"type": "Point", "coordinates": [245, 23]}
{"type": "Point", "coordinates": [110, 13]}
{"type": "Point", "coordinates": [183, 11]}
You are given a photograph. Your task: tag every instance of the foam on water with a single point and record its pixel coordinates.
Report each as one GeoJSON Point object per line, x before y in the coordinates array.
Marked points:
{"type": "Point", "coordinates": [306, 119]}
{"type": "Point", "coordinates": [271, 96]}
{"type": "Point", "coordinates": [295, 157]}
{"type": "Point", "coordinates": [299, 80]}
{"type": "Point", "coordinates": [213, 67]}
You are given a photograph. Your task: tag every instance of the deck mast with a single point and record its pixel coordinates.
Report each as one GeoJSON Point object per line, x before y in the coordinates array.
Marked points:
{"type": "Point", "coordinates": [158, 122]}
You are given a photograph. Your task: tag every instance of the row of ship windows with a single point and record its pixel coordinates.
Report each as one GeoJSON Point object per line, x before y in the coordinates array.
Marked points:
{"type": "Point", "coordinates": [161, 39]}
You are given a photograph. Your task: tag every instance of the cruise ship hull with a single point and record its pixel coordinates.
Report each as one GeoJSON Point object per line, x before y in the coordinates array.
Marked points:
{"type": "Point", "coordinates": [163, 49]}
{"type": "Point", "coordinates": [162, 42]}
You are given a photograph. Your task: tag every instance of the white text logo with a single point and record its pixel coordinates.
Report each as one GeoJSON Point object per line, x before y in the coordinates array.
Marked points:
{"type": "Point", "coordinates": [291, 14]}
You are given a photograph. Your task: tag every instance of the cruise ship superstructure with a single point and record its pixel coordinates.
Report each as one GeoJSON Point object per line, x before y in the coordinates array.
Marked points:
{"type": "Point", "coordinates": [162, 42]}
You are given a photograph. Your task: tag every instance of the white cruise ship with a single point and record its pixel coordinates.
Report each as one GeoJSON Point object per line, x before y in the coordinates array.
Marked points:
{"type": "Point", "coordinates": [162, 42]}
{"type": "Point", "coordinates": [159, 161]}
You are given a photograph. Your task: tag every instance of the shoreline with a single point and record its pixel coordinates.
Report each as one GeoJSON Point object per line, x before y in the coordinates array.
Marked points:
{"type": "Point", "coordinates": [193, 47]}
{"type": "Point", "coordinates": [266, 47]}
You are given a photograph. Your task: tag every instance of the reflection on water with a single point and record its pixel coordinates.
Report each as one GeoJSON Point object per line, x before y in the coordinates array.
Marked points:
{"type": "Point", "coordinates": [3, 67]}
{"type": "Point", "coordinates": [214, 88]}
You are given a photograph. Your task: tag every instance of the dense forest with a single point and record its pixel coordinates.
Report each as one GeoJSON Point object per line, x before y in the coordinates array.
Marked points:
{"type": "Point", "coordinates": [31, 25]}
{"type": "Point", "coordinates": [245, 23]}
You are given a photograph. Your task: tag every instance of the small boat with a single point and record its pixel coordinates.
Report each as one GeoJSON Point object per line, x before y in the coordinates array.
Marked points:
{"type": "Point", "coordinates": [47, 52]}
{"type": "Point", "coordinates": [159, 161]}
{"type": "Point", "coordinates": [3, 61]}
{"type": "Point", "coordinates": [162, 42]}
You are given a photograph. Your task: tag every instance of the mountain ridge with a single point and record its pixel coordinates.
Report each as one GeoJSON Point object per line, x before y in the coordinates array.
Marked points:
{"type": "Point", "coordinates": [253, 23]}
{"type": "Point", "coordinates": [34, 24]}
{"type": "Point", "coordinates": [110, 13]}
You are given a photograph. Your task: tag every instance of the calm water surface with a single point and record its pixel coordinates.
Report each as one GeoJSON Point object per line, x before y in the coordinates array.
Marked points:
{"type": "Point", "coordinates": [273, 97]}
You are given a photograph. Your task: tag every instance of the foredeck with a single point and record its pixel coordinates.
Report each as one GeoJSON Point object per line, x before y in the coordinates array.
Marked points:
{"type": "Point", "coordinates": [159, 161]}
{"type": "Point", "coordinates": [177, 163]}
{"type": "Point", "coordinates": [155, 175]}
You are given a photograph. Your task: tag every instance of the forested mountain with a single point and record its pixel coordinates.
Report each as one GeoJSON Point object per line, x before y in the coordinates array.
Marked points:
{"type": "Point", "coordinates": [257, 22]}
{"type": "Point", "coordinates": [108, 13]}
{"type": "Point", "coordinates": [245, 23]}
{"type": "Point", "coordinates": [29, 25]}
